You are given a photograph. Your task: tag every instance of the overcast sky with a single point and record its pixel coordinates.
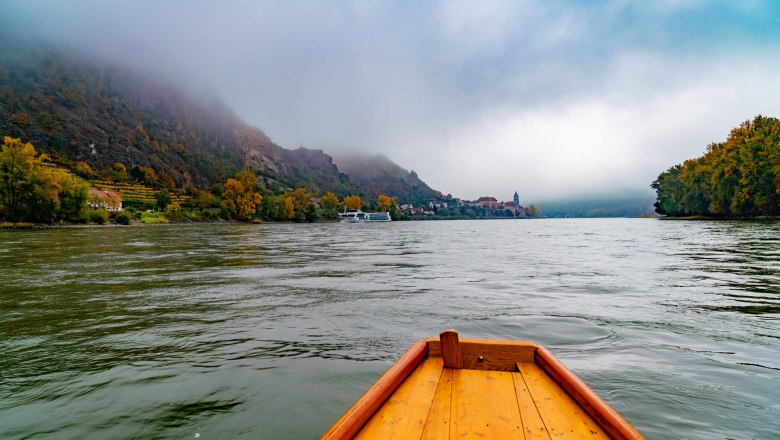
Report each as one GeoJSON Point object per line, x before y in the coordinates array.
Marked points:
{"type": "Point", "coordinates": [552, 99]}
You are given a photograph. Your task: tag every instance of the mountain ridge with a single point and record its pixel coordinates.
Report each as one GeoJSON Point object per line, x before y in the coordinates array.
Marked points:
{"type": "Point", "coordinates": [377, 174]}
{"type": "Point", "coordinates": [78, 108]}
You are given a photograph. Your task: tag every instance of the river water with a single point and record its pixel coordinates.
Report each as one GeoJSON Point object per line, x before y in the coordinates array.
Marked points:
{"type": "Point", "coordinates": [273, 330]}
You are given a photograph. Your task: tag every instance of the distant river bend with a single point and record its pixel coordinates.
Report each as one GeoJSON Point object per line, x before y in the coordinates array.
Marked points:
{"type": "Point", "coordinates": [273, 330]}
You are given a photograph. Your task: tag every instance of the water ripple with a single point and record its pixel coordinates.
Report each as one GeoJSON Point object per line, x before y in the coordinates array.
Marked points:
{"type": "Point", "coordinates": [238, 331]}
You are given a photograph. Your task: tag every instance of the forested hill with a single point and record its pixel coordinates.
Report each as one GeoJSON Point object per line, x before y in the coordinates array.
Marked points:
{"type": "Point", "coordinates": [379, 175]}
{"type": "Point", "coordinates": [84, 110]}
{"type": "Point", "coordinates": [736, 178]}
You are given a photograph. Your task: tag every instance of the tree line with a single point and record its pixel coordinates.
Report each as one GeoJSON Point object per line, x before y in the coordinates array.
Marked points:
{"type": "Point", "coordinates": [736, 178]}
{"type": "Point", "coordinates": [32, 189]}
{"type": "Point", "coordinates": [244, 198]}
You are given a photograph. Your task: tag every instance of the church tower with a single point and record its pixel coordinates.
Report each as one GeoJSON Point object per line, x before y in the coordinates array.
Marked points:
{"type": "Point", "coordinates": [517, 204]}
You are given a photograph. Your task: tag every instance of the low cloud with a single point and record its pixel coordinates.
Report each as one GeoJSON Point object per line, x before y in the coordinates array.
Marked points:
{"type": "Point", "coordinates": [479, 98]}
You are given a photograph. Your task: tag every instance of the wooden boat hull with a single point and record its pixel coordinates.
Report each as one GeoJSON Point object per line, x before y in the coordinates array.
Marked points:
{"type": "Point", "coordinates": [446, 387]}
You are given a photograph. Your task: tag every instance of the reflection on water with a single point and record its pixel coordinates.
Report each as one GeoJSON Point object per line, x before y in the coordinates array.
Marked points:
{"type": "Point", "coordinates": [271, 331]}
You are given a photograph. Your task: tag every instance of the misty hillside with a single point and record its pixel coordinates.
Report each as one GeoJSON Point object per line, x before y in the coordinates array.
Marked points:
{"type": "Point", "coordinates": [379, 175]}
{"type": "Point", "coordinates": [78, 110]}
{"type": "Point", "coordinates": [619, 206]}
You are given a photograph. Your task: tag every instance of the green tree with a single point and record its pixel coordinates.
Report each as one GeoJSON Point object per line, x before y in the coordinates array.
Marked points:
{"type": "Point", "coordinates": [163, 199]}
{"type": "Point", "coordinates": [739, 177]}
{"type": "Point", "coordinates": [118, 173]}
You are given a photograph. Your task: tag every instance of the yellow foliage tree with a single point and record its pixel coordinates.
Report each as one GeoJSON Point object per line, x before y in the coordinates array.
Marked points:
{"type": "Point", "coordinates": [351, 202]}
{"type": "Point", "coordinates": [34, 192]}
{"type": "Point", "coordinates": [85, 170]}
{"type": "Point", "coordinates": [288, 207]}
{"type": "Point", "coordinates": [17, 165]}
{"type": "Point", "coordinates": [240, 198]}
{"type": "Point", "coordinates": [385, 203]}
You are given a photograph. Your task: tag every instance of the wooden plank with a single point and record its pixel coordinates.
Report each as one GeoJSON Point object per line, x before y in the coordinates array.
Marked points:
{"type": "Point", "coordinates": [484, 405]}
{"type": "Point", "coordinates": [533, 425]}
{"type": "Point", "coordinates": [607, 418]}
{"type": "Point", "coordinates": [486, 354]}
{"type": "Point", "coordinates": [404, 414]}
{"type": "Point", "coordinates": [365, 407]}
{"type": "Point", "coordinates": [562, 417]}
{"type": "Point", "coordinates": [437, 427]}
{"type": "Point", "coordinates": [450, 349]}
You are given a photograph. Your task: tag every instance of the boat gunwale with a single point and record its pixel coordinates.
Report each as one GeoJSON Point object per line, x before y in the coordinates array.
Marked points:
{"type": "Point", "coordinates": [353, 420]}
{"type": "Point", "coordinates": [367, 405]}
{"type": "Point", "coordinates": [607, 418]}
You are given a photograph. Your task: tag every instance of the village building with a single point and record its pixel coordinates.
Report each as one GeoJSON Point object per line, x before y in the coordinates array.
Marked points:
{"type": "Point", "coordinates": [109, 200]}
{"type": "Point", "coordinates": [488, 202]}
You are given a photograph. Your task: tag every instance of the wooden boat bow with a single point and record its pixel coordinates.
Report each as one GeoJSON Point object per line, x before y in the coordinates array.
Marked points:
{"type": "Point", "coordinates": [447, 387]}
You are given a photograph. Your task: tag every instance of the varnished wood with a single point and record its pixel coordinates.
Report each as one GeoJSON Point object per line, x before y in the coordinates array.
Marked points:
{"type": "Point", "coordinates": [486, 354]}
{"type": "Point", "coordinates": [561, 415]}
{"type": "Point", "coordinates": [605, 416]}
{"type": "Point", "coordinates": [450, 349]}
{"type": "Point", "coordinates": [365, 407]}
{"type": "Point", "coordinates": [533, 426]}
{"type": "Point", "coordinates": [437, 427]}
{"type": "Point", "coordinates": [505, 389]}
{"type": "Point", "coordinates": [484, 406]}
{"type": "Point", "coordinates": [404, 414]}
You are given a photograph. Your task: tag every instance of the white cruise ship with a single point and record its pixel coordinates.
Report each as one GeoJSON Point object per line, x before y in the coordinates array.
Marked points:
{"type": "Point", "coordinates": [355, 216]}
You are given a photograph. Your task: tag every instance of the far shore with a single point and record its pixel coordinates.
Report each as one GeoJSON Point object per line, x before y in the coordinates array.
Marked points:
{"type": "Point", "coordinates": [736, 218]}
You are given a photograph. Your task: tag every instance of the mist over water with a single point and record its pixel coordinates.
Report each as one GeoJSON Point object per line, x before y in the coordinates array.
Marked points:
{"type": "Point", "coordinates": [273, 330]}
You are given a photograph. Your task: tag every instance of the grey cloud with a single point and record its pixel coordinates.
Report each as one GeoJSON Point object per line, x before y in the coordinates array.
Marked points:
{"type": "Point", "coordinates": [479, 98]}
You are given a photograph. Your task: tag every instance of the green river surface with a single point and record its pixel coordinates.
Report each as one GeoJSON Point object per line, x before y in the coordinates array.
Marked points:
{"type": "Point", "coordinates": [270, 331]}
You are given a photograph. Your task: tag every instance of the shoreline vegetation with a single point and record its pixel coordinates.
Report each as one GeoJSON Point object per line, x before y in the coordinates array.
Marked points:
{"type": "Point", "coordinates": [737, 179]}
{"type": "Point", "coordinates": [37, 191]}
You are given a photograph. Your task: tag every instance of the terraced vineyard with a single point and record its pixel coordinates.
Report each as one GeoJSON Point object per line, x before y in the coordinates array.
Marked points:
{"type": "Point", "coordinates": [136, 193]}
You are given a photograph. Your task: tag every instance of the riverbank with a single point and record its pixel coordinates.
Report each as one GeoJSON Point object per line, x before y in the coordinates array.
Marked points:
{"type": "Point", "coordinates": [159, 220]}
{"type": "Point", "coordinates": [721, 218]}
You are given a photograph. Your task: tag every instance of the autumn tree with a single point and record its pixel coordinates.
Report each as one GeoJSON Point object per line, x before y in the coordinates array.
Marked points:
{"type": "Point", "coordinates": [351, 202]}
{"type": "Point", "coordinates": [288, 207]}
{"type": "Point", "coordinates": [330, 206]}
{"type": "Point", "coordinates": [31, 191]}
{"type": "Point", "coordinates": [199, 199]}
{"type": "Point", "coordinates": [240, 198]}
{"type": "Point", "coordinates": [303, 206]}
{"type": "Point", "coordinates": [148, 176]}
{"type": "Point", "coordinates": [18, 162]}
{"type": "Point", "coordinates": [118, 173]}
{"type": "Point", "coordinates": [385, 203]}
{"type": "Point", "coordinates": [84, 170]}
